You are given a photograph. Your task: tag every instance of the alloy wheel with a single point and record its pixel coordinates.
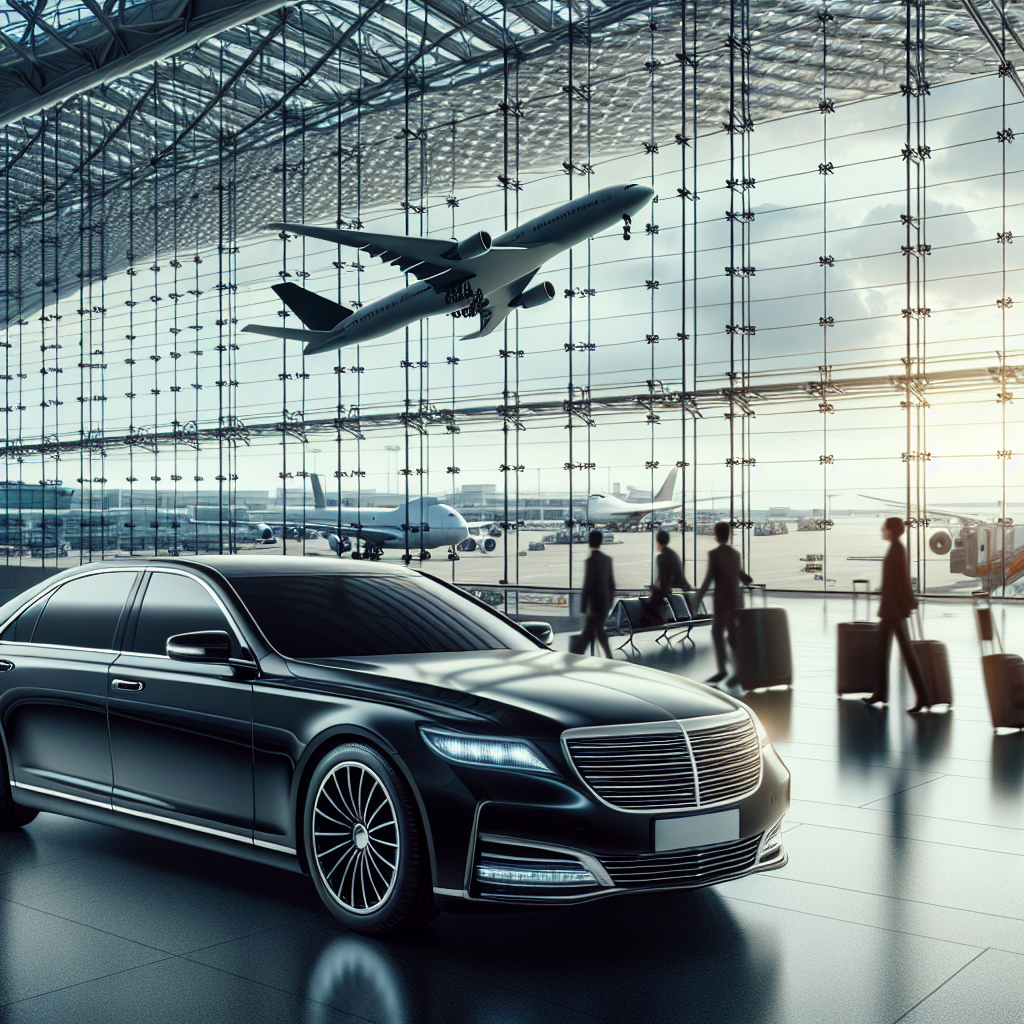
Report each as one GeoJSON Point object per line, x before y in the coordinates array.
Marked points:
{"type": "Point", "coordinates": [356, 840]}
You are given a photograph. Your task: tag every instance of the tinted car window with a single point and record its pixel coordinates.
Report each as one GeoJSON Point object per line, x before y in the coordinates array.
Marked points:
{"type": "Point", "coordinates": [84, 612]}
{"type": "Point", "coordinates": [175, 604]}
{"type": "Point", "coordinates": [361, 616]}
{"type": "Point", "coordinates": [20, 630]}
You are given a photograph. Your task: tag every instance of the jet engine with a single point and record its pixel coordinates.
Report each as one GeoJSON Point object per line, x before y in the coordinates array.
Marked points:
{"type": "Point", "coordinates": [489, 544]}
{"type": "Point", "coordinates": [941, 542]}
{"type": "Point", "coordinates": [536, 296]}
{"type": "Point", "coordinates": [475, 245]}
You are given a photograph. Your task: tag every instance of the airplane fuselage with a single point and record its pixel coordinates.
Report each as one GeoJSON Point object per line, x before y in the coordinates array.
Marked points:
{"type": "Point", "coordinates": [432, 526]}
{"type": "Point", "coordinates": [515, 255]}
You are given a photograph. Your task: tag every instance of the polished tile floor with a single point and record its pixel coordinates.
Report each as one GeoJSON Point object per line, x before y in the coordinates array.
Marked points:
{"type": "Point", "coordinates": [903, 898]}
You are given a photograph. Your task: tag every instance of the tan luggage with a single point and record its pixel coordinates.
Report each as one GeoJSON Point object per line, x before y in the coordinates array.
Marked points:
{"type": "Point", "coordinates": [1004, 673]}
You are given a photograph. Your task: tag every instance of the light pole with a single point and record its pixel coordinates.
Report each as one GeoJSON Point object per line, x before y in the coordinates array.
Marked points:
{"type": "Point", "coordinates": [389, 448]}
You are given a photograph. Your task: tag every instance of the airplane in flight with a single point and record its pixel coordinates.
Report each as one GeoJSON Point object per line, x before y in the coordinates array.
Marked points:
{"type": "Point", "coordinates": [474, 277]}
{"type": "Point", "coordinates": [425, 523]}
{"type": "Point", "coordinates": [606, 508]}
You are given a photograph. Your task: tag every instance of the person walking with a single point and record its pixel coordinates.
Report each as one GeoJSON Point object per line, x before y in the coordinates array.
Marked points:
{"type": "Point", "coordinates": [898, 601]}
{"type": "Point", "coordinates": [670, 574]}
{"type": "Point", "coordinates": [598, 595]}
{"type": "Point", "coordinates": [725, 571]}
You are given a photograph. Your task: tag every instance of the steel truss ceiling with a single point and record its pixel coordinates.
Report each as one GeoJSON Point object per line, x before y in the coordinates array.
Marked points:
{"type": "Point", "coordinates": [174, 87]}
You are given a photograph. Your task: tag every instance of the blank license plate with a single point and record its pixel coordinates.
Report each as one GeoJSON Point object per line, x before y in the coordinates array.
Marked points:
{"type": "Point", "coordinates": [697, 830]}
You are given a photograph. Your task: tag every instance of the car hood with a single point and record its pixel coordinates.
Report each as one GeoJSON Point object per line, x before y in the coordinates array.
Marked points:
{"type": "Point", "coordinates": [569, 690]}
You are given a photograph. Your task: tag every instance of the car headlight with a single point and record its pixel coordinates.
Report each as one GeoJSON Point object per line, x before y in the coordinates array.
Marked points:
{"type": "Point", "coordinates": [485, 751]}
{"type": "Point", "coordinates": [762, 736]}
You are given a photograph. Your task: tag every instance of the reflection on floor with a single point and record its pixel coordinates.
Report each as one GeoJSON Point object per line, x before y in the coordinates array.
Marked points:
{"type": "Point", "coordinates": [903, 898]}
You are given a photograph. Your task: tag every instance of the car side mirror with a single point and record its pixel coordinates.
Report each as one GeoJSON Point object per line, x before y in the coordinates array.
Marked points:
{"type": "Point", "coordinates": [541, 631]}
{"type": "Point", "coordinates": [210, 646]}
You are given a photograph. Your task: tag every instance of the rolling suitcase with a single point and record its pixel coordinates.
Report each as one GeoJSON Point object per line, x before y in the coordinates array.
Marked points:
{"type": "Point", "coordinates": [858, 653]}
{"type": "Point", "coordinates": [761, 646]}
{"type": "Point", "coordinates": [1004, 673]}
{"type": "Point", "coordinates": [934, 659]}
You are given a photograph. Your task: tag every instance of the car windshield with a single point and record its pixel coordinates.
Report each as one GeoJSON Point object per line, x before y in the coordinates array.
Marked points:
{"type": "Point", "coordinates": [350, 616]}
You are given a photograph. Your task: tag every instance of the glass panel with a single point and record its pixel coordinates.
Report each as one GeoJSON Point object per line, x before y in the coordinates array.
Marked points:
{"type": "Point", "coordinates": [358, 616]}
{"type": "Point", "coordinates": [175, 604]}
{"type": "Point", "coordinates": [84, 612]}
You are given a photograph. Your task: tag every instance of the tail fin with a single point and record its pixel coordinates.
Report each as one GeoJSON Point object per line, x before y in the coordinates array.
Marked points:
{"type": "Point", "coordinates": [665, 494]}
{"type": "Point", "coordinates": [318, 492]}
{"type": "Point", "coordinates": [316, 312]}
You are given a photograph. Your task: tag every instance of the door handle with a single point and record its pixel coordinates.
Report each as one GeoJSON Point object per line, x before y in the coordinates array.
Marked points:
{"type": "Point", "coordinates": [5, 665]}
{"type": "Point", "coordinates": [127, 684]}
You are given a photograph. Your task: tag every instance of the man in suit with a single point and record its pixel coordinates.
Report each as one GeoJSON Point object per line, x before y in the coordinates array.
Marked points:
{"type": "Point", "coordinates": [725, 570]}
{"type": "Point", "coordinates": [670, 574]}
{"type": "Point", "coordinates": [598, 595]}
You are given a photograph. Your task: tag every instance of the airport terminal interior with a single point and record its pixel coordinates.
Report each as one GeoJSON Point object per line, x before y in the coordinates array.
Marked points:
{"type": "Point", "coordinates": [358, 317]}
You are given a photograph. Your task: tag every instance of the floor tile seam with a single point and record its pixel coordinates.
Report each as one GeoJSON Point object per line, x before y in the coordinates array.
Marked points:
{"type": "Point", "coordinates": [987, 761]}
{"type": "Point", "coordinates": [37, 867]}
{"type": "Point", "coordinates": [859, 924]}
{"type": "Point", "coordinates": [890, 767]}
{"type": "Point", "coordinates": [899, 899]}
{"type": "Point", "coordinates": [88, 981]}
{"type": "Point", "coordinates": [937, 987]}
{"type": "Point", "coordinates": [929, 817]}
{"type": "Point", "coordinates": [92, 927]}
{"type": "Point", "coordinates": [413, 962]}
{"type": "Point", "coordinates": [904, 814]}
{"type": "Point", "coordinates": [911, 839]}
{"type": "Point", "coordinates": [908, 789]}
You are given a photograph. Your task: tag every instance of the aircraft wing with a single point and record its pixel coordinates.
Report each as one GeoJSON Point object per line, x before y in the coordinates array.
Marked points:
{"type": "Point", "coordinates": [499, 305]}
{"type": "Point", "coordinates": [427, 259]}
{"type": "Point", "coordinates": [945, 513]}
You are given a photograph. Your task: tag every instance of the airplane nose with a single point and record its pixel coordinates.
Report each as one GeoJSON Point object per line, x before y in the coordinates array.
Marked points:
{"type": "Point", "coordinates": [638, 196]}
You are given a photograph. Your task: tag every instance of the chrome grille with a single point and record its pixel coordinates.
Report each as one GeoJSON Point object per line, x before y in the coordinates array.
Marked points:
{"type": "Point", "coordinates": [728, 760]}
{"type": "Point", "coordinates": [700, 865]}
{"type": "Point", "coordinates": [676, 770]}
{"type": "Point", "coordinates": [637, 772]}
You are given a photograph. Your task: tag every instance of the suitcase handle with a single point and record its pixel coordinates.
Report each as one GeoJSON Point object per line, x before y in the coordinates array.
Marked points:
{"type": "Point", "coordinates": [857, 593]}
{"type": "Point", "coordinates": [987, 631]}
{"type": "Point", "coordinates": [763, 588]}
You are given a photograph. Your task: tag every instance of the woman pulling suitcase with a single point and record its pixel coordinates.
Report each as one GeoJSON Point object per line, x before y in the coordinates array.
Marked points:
{"type": "Point", "coordinates": [898, 602]}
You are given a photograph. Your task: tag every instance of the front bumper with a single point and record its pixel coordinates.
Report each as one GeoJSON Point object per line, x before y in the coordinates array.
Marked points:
{"type": "Point", "coordinates": [535, 853]}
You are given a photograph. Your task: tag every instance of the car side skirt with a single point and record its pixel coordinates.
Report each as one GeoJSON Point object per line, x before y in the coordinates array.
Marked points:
{"type": "Point", "coordinates": [158, 827]}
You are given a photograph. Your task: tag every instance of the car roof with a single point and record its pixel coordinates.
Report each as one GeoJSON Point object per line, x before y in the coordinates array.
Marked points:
{"type": "Point", "coordinates": [233, 566]}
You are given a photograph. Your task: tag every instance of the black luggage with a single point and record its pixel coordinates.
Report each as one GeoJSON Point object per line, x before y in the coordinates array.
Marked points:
{"type": "Point", "coordinates": [934, 659]}
{"type": "Point", "coordinates": [1004, 673]}
{"type": "Point", "coordinates": [761, 646]}
{"type": "Point", "coordinates": [577, 645]}
{"type": "Point", "coordinates": [859, 653]}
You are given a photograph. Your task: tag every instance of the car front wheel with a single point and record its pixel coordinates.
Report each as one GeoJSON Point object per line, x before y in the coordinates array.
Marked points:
{"type": "Point", "coordinates": [364, 845]}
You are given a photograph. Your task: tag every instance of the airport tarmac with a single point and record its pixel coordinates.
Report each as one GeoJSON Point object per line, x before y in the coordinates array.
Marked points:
{"type": "Point", "coordinates": [853, 547]}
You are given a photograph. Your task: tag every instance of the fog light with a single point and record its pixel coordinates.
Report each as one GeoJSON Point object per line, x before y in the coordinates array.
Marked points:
{"type": "Point", "coordinates": [534, 876]}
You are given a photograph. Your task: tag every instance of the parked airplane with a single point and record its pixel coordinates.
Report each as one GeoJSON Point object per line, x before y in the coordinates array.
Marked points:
{"type": "Point", "coordinates": [990, 551]}
{"type": "Point", "coordinates": [473, 277]}
{"type": "Point", "coordinates": [424, 523]}
{"type": "Point", "coordinates": [606, 508]}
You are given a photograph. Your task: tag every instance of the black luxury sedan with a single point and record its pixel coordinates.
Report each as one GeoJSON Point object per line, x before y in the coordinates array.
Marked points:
{"type": "Point", "coordinates": [409, 747]}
